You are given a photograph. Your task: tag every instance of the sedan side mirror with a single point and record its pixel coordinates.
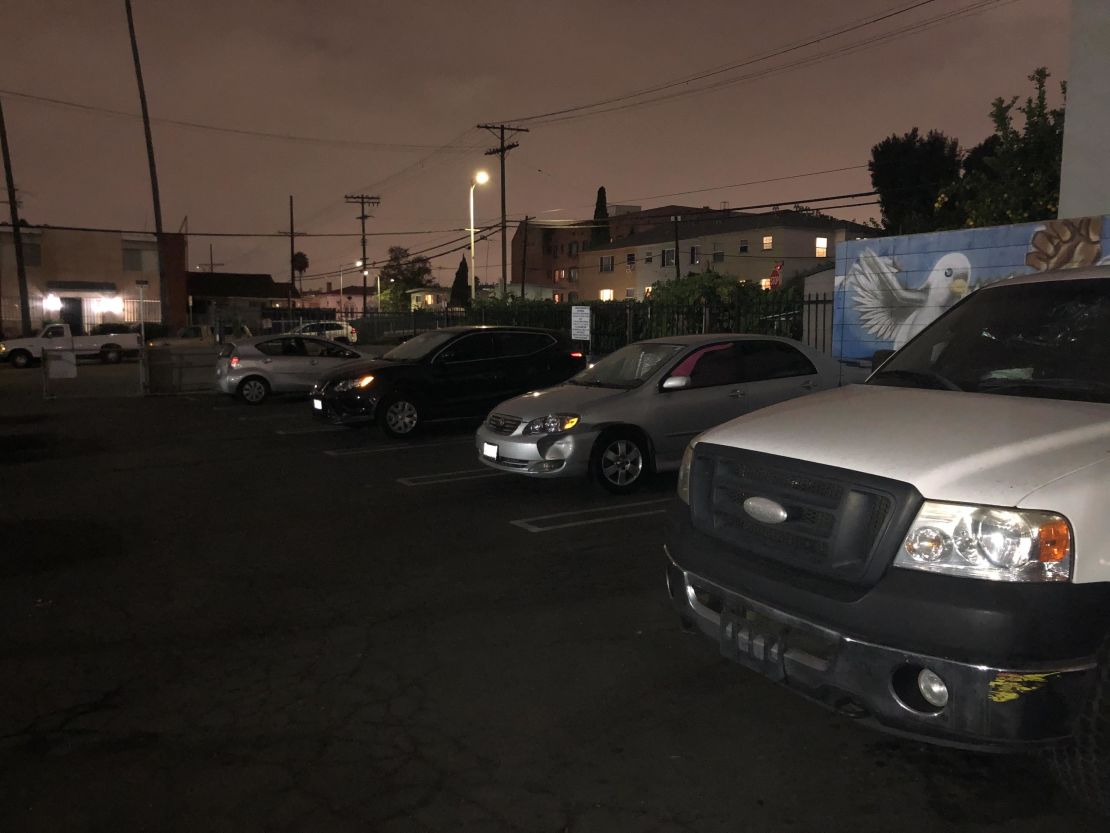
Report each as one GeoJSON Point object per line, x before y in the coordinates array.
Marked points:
{"type": "Point", "coordinates": [676, 382]}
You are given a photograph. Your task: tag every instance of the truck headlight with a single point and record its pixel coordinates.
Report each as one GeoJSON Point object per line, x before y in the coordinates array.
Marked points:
{"type": "Point", "coordinates": [684, 473]}
{"type": "Point", "coordinates": [350, 384]}
{"type": "Point", "coordinates": [3, 347]}
{"type": "Point", "coordinates": [986, 542]}
{"type": "Point", "coordinates": [551, 424]}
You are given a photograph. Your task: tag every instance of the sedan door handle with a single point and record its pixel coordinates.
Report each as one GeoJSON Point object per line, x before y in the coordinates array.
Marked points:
{"type": "Point", "coordinates": [809, 385]}
{"type": "Point", "coordinates": [267, 361]}
{"type": "Point", "coordinates": [739, 393]}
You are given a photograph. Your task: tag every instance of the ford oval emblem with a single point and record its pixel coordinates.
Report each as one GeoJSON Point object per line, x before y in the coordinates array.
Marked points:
{"type": "Point", "coordinates": [765, 510]}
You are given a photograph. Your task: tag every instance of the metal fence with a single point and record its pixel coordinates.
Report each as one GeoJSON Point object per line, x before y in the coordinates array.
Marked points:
{"type": "Point", "coordinates": [613, 324]}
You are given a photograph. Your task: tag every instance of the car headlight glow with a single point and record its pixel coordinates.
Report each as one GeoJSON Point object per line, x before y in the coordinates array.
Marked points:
{"type": "Point", "coordinates": [551, 424]}
{"type": "Point", "coordinates": [986, 542]}
{"type": "Point", "coordinates": [358, 382]}
{"type": "Point", "coordinates": [684, 473]}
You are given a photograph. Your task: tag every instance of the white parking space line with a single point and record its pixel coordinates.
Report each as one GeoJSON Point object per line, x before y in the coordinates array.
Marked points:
{"type": "Point", "coordinates": [268, 417]}
{"type": "Point", "coordinates": [449, 477]}
{"type": "Point", "coordinates": [382, 449]}
{"type": "Point", "coordinates": [530, 524]}
{"type": "Point", "coordinates": [319, 429]}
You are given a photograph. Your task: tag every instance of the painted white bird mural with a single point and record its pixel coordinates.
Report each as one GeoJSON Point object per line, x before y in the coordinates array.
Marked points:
{"type": "Point", "coordinates": [891, 312]}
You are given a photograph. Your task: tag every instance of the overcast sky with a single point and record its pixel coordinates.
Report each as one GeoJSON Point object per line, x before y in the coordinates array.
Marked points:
{"type": "Point", "coordinates": [404, 78]}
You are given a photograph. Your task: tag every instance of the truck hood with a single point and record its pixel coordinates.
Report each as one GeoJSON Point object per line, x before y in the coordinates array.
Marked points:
{"type": "Point", "coordinates": [561, 399]}
{"type": "Point", "coordinates": [964, 447]}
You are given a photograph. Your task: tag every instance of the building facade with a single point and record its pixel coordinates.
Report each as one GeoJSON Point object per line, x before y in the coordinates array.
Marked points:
{"type": "Point", "coordinates": [87, 278]}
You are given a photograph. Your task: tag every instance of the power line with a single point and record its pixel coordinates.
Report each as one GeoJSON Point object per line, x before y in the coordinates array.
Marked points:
{"type": "Point", "coordinates": [245, 234]}
{"type": "Point", "coordinates": [215, 128]}
{"type": "Point", "coordinates": [599, 108]}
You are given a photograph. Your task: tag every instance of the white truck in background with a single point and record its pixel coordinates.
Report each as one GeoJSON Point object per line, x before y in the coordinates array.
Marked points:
{"type": "Point", "coordinates": [928, 552]}
{"type": "Point", "coordinates": [110, 349]}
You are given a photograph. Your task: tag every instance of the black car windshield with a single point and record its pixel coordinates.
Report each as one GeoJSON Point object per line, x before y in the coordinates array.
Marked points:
{"type": "Point", "coordinates": [1029, 339]}
{"type": "Point", "coordinates": [419, 346]}
{"type": "Point", "coordinates": [628, 367]}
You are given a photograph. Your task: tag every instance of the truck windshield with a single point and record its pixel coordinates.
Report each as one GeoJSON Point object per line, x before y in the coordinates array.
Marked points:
{"type": "Point", "coordinates": [1044, 340]}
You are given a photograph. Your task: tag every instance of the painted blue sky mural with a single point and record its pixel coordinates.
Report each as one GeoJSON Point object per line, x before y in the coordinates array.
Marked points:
{"type": "Point", "coordinates": [888, 289]}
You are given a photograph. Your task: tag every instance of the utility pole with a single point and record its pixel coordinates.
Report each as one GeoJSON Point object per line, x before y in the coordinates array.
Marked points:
{"type": "Point", "coordinates": [524, 259]}
{"type": "Point", "coordinates": [17, 236]}
{"type": "Point", "coordinates": [211, 260]}
{"type": "Point", "coordinates": [677, 219]}
{"type": "Point", "coordinates": [362, 200]}
{"type": "Point", "coordinates": [501, 150]}
{"type": "Point", "coordinates": [162, 289]}
{"type": "Point", "coordinates": [292, 236]}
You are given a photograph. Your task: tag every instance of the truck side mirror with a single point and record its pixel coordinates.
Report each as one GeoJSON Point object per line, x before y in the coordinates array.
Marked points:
{"type": "Point", "coordinates": [880, 356]}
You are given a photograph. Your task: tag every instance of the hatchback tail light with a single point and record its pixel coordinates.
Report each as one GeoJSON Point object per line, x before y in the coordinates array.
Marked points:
{"type": "Point", "coordinates": [234, 361]}
{"type": "Point", "coordinates": [576, 355]}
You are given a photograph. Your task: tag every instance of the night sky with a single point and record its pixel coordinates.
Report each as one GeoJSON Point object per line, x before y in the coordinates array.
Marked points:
{"type": "Point", "coordinates": [393, 81]}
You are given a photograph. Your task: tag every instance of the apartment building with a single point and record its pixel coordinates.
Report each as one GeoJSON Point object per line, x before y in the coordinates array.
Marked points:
{"type": "Point", "coordinates": [86, 278]}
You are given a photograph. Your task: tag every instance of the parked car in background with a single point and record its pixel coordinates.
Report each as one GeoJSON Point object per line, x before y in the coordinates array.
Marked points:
{"type": "Point", "coordinates": [339, 331]}
{"type": "Point", "coordinates": [21, 352]}
{"type": "Point", "coordinates": [634, 411]}
{"type": "Point", "coordinates": [453, 373]}
{"type": "Point", "coordinates": [200, 335]}
{"type": "Point", "coordinates": [255, 368]}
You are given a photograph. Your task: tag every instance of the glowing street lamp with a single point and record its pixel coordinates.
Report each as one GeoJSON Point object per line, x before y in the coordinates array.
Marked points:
{"type": "Point", "coordinates": [480, 178]}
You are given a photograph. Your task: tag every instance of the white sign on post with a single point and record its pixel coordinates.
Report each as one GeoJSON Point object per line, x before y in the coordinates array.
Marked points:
{"type": "Point", "coordinates": [580, 323]}
{"type": "Point", "coordinates": [60, 364]}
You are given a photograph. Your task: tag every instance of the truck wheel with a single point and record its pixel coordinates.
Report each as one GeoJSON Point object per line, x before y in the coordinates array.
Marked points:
{"type": "Point", "coordinates": [21, 359]}
{"type": "Point", "coordinates": [254, 390]}
{"type": "Point", "coordinates": [111, 355]}
{"type": "Point", "coordinates": [1082, 765]}
{"type": "Point", "coordinates": [620, 461]}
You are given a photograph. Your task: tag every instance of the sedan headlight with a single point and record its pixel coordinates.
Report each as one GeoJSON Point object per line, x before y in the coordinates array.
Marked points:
{"type": "Point", "coordinates": [684, 473]}
{"type": "Point", "coordinates": [3, 347]}
{"type": "Point", "coordinates": [988, 543]}
{"type": "Point", "coordinates": [551, 424]}
{"type": "Point", "coordinates": [356, 383]}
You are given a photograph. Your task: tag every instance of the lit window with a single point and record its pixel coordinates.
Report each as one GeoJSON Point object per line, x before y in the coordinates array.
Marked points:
{"type": "Point", "coordinates": [606, 263]}
{"type": "Point", "coordinates": [427, 300]}
{"type": "Point", "coordinates": [822, 247]}
{"type": "Point", "coordinates": [557, 297]}
{"type": "Point", "coordinates": [768, 242]}
{"type": "Point", "coordinates": [765, 283]}
{"type": "Point", "coordinates": [647, 291]}
{"type": "Point", "coordinates": [606, 295]}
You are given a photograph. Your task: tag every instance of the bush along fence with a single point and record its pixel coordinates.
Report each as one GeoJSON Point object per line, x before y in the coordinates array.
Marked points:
{"type": "Point", "coordinates": [613, 324]}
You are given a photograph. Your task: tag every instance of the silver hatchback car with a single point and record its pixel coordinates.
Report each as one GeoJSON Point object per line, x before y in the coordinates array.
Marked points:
{"type": "Point", "coordinates": [255, 368]}
{"type": "Point", "coordinates": [634, 411]}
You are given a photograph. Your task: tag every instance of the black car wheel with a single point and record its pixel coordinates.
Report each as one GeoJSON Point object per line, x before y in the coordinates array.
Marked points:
{"type": "Point", "coordinates": [399, 416]}
{"type": "Point", "coordinates": [620, 462]}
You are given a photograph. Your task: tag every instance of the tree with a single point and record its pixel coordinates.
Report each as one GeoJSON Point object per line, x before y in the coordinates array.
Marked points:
{"type": "Point", "coordinates": [1014, 176]}
{"type": "Point", "coordinates": [300, 263]}
{"type": "Point", "coordinates": [599, 233]}
{"type": "Point", "coordinates": [460, 289]}
{"type": "Point", "coordinates": [911, 172]}
{"type": "Point", "coordinates": [401, 273]}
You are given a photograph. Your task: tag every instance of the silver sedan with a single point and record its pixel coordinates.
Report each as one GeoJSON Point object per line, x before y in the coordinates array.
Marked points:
{"type": "Point", "coordinates": [254, 368]}
{"type": "Point", "coordinates": [634, 411]}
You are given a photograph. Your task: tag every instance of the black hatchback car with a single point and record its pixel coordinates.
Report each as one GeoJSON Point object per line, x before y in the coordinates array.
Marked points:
{"type": "Point", "coordinates": [453, 373]}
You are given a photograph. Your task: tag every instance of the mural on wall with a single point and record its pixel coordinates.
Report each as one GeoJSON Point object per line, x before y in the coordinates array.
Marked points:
{"type": "Point", "coordinates": [889, 289]}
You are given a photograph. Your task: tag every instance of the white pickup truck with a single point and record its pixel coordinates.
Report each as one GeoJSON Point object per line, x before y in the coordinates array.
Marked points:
{"type": "Point", "coordinates": [928, 552]}
{"type": "Point", "coordinates": [22, 352]}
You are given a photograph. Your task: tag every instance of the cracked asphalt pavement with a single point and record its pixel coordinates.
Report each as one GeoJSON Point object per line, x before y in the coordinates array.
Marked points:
{"type": "Point", "coordinates": [216, 617]}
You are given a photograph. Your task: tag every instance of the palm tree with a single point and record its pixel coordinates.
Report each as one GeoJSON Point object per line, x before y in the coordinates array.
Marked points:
{"type": "Point", "coordinates": [300, 266]}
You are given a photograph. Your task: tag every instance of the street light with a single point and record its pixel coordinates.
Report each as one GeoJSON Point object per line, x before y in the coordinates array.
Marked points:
{"type": "Point", "coordinates": [480, 178]}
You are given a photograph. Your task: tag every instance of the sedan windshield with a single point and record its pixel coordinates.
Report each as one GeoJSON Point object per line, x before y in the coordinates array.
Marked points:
{"type": "Point", "coordinates": [628, 367]}
{"type": "Point", "coordinates": [1036, 339]}
{"type": "Point", "coordinates": [419, 346]}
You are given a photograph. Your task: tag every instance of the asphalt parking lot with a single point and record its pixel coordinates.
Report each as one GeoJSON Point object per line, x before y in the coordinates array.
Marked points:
{"type": "Point", "coordinates": [217, 617]}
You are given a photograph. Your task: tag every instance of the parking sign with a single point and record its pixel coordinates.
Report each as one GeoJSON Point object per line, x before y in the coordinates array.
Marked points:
{"type": "Point", "coordinates": [580, 323]}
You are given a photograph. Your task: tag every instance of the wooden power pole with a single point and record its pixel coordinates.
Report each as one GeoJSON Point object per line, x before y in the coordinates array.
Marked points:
{"type": "Point", "coordinates": [501, 150]}
{"type": "Point", "coordinates": [17, 236]}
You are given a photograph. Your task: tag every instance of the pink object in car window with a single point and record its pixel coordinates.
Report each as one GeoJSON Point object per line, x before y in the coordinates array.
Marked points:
{"type": "Point", "coordinates": [687, 365]}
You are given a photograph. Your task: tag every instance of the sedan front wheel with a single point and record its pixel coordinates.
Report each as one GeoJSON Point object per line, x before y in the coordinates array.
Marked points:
{"type": "Point", "coordinates": [399, 417]}
{"type": "Point", "coordinates": [620, 463]}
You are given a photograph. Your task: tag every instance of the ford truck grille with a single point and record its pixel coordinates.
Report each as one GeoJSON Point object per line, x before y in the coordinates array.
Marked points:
{"type": "Point", "coordinates": [839, 524]}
